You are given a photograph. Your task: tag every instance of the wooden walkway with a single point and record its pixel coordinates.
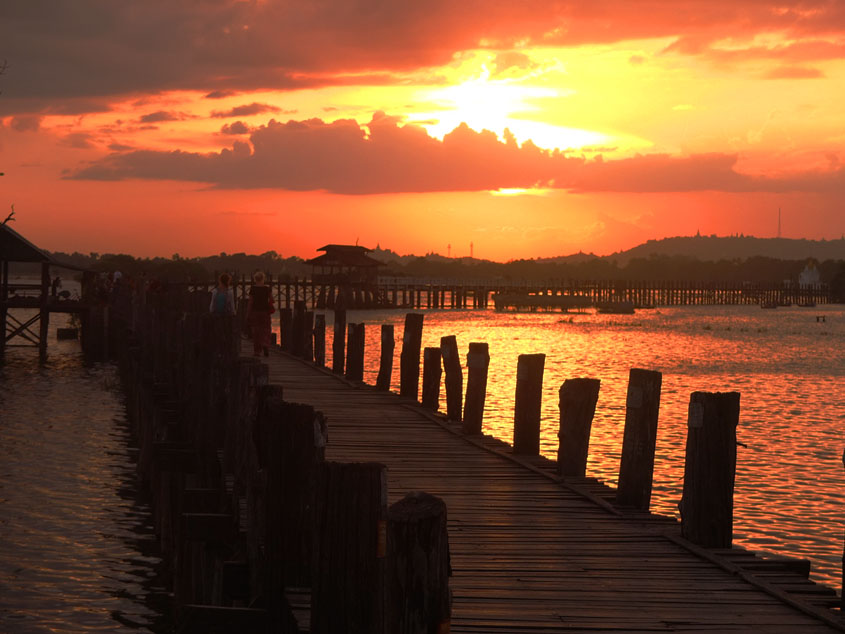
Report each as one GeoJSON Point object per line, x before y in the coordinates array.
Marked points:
{"type": "Point", "coordinates": [530, 555]}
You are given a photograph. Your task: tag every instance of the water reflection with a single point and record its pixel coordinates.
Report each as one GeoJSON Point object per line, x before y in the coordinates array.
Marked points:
{"type": "Point", "coordinates": [78, 552]}
{"type": "Point", "coordinates": [788, 367]}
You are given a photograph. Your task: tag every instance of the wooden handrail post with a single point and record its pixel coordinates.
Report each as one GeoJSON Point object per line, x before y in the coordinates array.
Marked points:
{"type": "Point", "coordinates": [710, 469]}
{"type": "Point", "coordinates": [355, 352]}
{"type": "Point", "coordinates": [308, 335]}
{"type": "Point", "coordinates": [291, 442]}
{"type": "Point", "coordinates": [320, 339]}
{"type": "Point", "coordinates": [351, 527]}
{"type": "Point", "coordinates": [431, 378]}
{"type": "Point", "coordinates": [286, 327]}
{"type": "Point", "coordinates": [478, 360]}
{"type": "Point", "coordinates": [578, 398]}
{"type": "Point", "coordinates": [636, 469]}
{"type": "Point", "coordinates": [385, 368]}
{"type": "Point", "coordinates": [418, 566]}
{"type": "Point", "coordinates": [409, 361]}
{"type": "Point", "coordinates": [454, 377]}
{"type": "Point", "coordinates": [339, 341]}
{"type": "Point", "coordinates": [298, 327]}
{"type": "Point", "coordinates": [526, 411]}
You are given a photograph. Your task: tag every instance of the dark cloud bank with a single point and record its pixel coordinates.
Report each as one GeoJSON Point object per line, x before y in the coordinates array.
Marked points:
{"type": "Point", "coordinates": [340, 157]}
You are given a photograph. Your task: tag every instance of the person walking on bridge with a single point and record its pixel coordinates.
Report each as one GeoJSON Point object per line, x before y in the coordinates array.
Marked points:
{"type": "Point", "coordinates": [258, 314]}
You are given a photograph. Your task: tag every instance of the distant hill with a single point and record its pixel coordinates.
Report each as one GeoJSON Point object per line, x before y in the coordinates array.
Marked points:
{"type": "Point", "coordinates": [713, 248]}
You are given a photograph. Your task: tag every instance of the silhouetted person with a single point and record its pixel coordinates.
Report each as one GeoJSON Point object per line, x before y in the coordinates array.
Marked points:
{"type": "Point", "coordinates": [258, 314]}
{"type": "Point", "coordinates": [222, 297]}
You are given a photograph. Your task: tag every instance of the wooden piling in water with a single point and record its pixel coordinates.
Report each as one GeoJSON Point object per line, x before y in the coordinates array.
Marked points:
{"type": "Point", "coordinates": [351, 527]}
{"type": "Point", "coordinates": [578, 398]}
{"type": "Point", "coordinates": [409, 360]}
{"type": "Point", "coordinates": [385, 368]}
{"type": "Point", "coordinates": [454, 377]}
{"type": "Point", "coordinates": [298, 328]}
{"type": "Point", "coordinates": [355, 352]}
{"type": "Point", "coordinates": [286, 329]}
{"type": "Point", "coordinates": [432, 373]}
{"type": "Point", "coordinates": [478, 361]}
{"type": "Point", "coordinates": [527, 402]}
{"type": "Point", "coordinates": [636, 468]}
{"type": "Point", "coordinates": [339, 341]}
{"type": "Point", "coordinates": [308, 336]}
{"type": "Point", "coordinates": [417, 600]}
{"type": "Point", "coordinates": [320, 339]}
{"type": "Point", "coordinates": [710, 469]}
{"type": "Point", "coordinates": [291, 442]}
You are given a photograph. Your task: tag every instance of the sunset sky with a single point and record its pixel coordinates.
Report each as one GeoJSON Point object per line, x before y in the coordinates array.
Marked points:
{"type": "Point", "coordinates": [525, 128]}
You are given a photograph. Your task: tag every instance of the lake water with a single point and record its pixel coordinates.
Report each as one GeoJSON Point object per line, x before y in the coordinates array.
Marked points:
{"type": "Point", "coordinates": [788, 367]}
{"type": "Point", "coordinates": [77, 551]}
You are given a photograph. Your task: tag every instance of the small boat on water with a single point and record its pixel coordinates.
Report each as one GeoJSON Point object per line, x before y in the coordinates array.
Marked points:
{"type": "Point", "coordinates": [768, 304]}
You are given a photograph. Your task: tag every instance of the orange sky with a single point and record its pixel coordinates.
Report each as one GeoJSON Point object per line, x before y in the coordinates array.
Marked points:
{"type": "Point", "coordinates": [526, 129]}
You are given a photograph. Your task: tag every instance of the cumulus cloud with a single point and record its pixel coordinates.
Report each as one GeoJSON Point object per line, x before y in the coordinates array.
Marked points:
{"type": "Point", "coordinates": [245, 110]}
{"type": "Point", "coordinates": [341, 157]}
{"type": "Point", "coordinates": [220, 94]}
{"type": "Point", "coordinates": [162, 115]}
{"type": "Point", "coordinates": [238, 127]}
{"type": "Point", "coordinates": [78, 140]}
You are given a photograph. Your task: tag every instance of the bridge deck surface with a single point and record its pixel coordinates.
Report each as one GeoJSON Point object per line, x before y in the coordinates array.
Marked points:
{"type": "Point", "coordinates": [529, 555]}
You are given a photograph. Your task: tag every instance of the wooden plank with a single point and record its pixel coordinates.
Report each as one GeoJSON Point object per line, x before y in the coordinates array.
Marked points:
{"type": "Point", "coordinates": [530, 554]}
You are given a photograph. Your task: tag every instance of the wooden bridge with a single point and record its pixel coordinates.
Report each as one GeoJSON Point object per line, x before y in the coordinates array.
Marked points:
{"type": "Point", "coordinates": [533, 553]}
{"type": "Point", "coordinates": [271, 478]}
{"type": "Point", "coordinates": [413, 293]}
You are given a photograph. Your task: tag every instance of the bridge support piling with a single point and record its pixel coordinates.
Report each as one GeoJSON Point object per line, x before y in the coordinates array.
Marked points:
{"type": "Point", "coordinates": [527, 402]}
{"type": "Point", "coordinates": [385, 369]}
{"type": "Point", "coordinates": [432, 373]}
{"type": "Point", "coordinates": [710, 469]}
{"type": "Point", "coordinates": [578, 398]}
{"type": "Point", "coordinates": [454, 377]}
{"type": "Point", "coordinates": [636, 469]}
{"type": "Point", "coordinates": [338, 341]}
{"type": "Point", "coordinates": [478, 360]}
{"type": "Point", "coordinates": [409, 361]}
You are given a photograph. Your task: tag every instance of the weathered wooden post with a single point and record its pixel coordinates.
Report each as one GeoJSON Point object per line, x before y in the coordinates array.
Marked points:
{"type": "Point", "coordinates": [320, 339]}
{"type": "Point", "coordinates": [308, 336]}
{"type": "Point", "coordinates": [338, 343]}
{"type": "Point", "coordinates": [418, 566]}
{"type": "Point", "coordinates": [431, 378]}
{"type": "Point", "coordinates": [710, 469]}
{"type": "Point", "coordinates": [385, 368]}
{"type": "Point", "coordinates": [478, 360]}
{"type": "Point", "coordinates": [409, 360]}
{"type": "Point", "coordinates": [286, 327]}
{"type": "Point", "coordinates": [636, 469]}
{"type": "Point", "coordinates": [298, 327]}
{"type": "Point", "coordinates": [454, 377]}
{"type": "Point", "coordinates": [291, 442]}
{"type": "Point", "coordinates": [355, 352]}
{"type": "Point", "coordinates": [350, 531]}
{"type": "Point", "coordinates": [578, 398]}
{"type": "Point", "coordinates": [44, 312]}
{"type": "Point", "coordinates": [526, 411]}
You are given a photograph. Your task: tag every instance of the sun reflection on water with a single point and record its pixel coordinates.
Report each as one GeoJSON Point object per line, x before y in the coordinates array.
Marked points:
{"type": "Point", "coordinates": [788, 367]}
